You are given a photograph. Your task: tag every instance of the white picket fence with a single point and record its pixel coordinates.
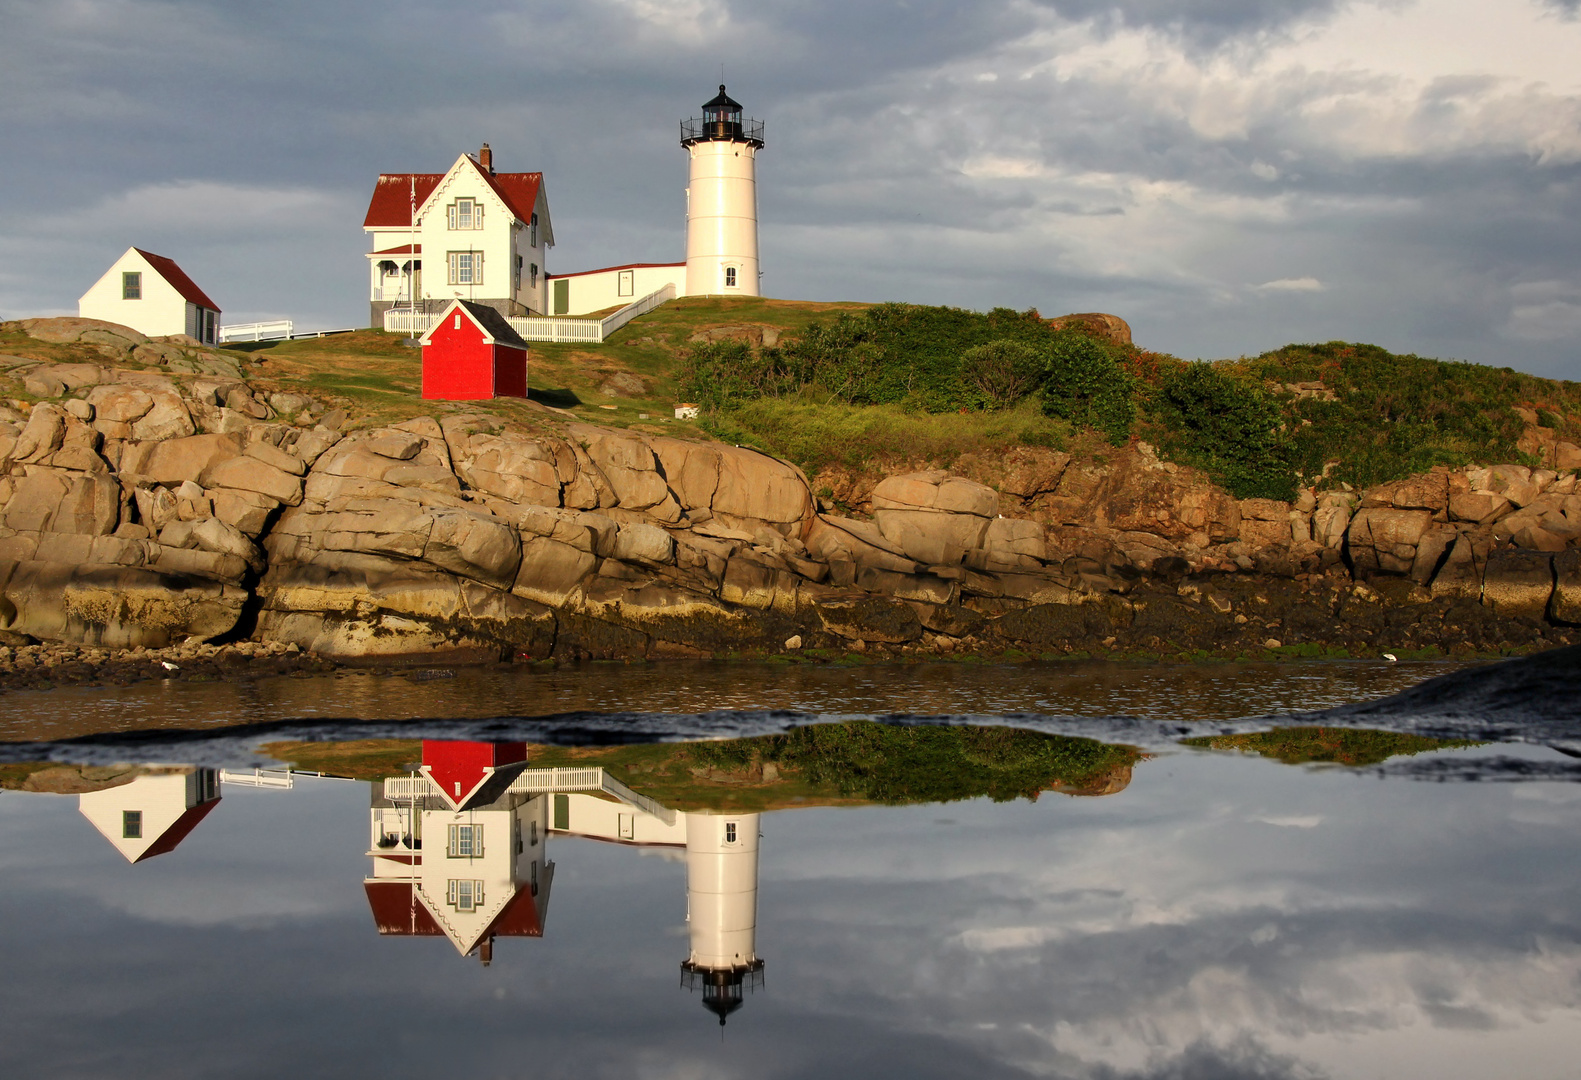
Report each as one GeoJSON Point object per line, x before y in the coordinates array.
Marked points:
{"type": "Point", "coordinates": [542, 328]}
{"type": "Point", "coordinates": [278, 330]}
{"type": "Point", "coordinates": [541, 781]}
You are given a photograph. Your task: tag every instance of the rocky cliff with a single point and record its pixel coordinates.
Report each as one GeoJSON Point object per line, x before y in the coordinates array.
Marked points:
{"type": "Point", "coordinates": [161, 497]}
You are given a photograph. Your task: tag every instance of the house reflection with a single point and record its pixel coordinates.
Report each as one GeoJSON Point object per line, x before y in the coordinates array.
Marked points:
{"type": "Point", "coordinates": [154, 811]}
{"type": "Point", "coordinates": [458, 850]}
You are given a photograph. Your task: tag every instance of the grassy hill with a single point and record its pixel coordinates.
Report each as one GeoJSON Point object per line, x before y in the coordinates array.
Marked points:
{"type": "Point", "coordinates": [880, 386]}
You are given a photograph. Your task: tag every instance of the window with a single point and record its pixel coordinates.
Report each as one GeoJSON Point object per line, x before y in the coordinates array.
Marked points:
{"type": "Point", "coordinates": [466, 214]}
{"type": "Point", "coordinates": [532, 237]}
{"type": "Point", "coordinates": [730, 277]}
{"type": "Point", "coordinates": [535, 877]}
{"type": "Point", "coordinates": [132, 824]}
{"type": "Point", "coordinates": [627, 283]}
{"type": "Point", "coordinates": [465, 895]}
{"type": "Point", "coordinates": [466, 842]}
{"type": "Point", "coordinates": [533, 834]}
{"type": "Point", "coordinates": [458, 327]}
{"type": "Point", "coordinates": [132, 285]}
{"type": "Point", "coordinates": [730, 832]}
{"type": "Point", "coordinates": [466, 268]}
{"type": "Point", "coordinates": [534, 275]}
{"type": "Point", "coordinates": [516, 276]}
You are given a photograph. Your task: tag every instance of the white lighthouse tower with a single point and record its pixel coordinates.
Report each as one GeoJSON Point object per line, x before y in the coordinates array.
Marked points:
{"type": "Point", "coordinates": [722, 909]}
{"type": "Point", "coordinates": [722, 200]}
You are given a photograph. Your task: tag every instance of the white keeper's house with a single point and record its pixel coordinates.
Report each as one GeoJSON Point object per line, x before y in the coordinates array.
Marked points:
{"type": "Point", "coordinates": [485, 235]}
{"type": "Point", "coordinates": [153, 296]}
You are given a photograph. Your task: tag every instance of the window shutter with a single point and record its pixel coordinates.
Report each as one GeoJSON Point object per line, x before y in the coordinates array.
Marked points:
{"type": "Point", "coordinates": [477, 268]}
{"type": "Point", "coordinates": [451, 844]}
{"type": "Point", "coordinates": [452, 209]}
{"type": "Point", "coordinates": [477, 841]}
{"type": "Point", "coordinates": [451, 898]}
{"type": "Point", "coordinates": [477, 215]}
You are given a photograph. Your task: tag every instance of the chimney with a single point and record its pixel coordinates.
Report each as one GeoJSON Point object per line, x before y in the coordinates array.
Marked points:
{"type": "Point", "coordinates": [486, 947]}
{"type": "Point", "coordinates": [486, 158]}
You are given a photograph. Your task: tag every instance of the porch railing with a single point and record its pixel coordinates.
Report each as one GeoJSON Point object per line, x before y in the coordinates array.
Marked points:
{"type": "Point", "coordinates": [278, 330]}
{"type": "Point", "coordinates": [540, 327]}
{"type": "Point", "coordinates": [542, 781]}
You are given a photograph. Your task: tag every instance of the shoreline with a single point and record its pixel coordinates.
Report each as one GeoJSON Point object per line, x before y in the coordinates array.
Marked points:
{"type": "Point", "coordinates": [51, 666]}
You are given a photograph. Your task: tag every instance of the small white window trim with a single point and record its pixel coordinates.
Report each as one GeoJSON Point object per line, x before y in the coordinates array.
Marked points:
{"type": "Point", "coordinates": [465, 842]}
{"type": "Point", "coordinates": [466, 267]}
{"type": "Point", "coordinates": [465, 215]}
{"type": "Point", "coordinates": [464, 894]}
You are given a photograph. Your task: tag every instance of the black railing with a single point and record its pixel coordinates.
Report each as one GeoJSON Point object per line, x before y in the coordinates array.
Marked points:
{"type": "Point", "coordinates": [698, 130]}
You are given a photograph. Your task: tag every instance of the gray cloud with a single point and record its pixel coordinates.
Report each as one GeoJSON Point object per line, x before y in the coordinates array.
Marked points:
{"type": "Point", "coordinates": [977, 155]}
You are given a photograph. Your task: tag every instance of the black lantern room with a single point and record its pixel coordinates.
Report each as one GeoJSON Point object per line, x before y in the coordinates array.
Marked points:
{"type": "Point", "coordinates": [721, 122]}
{"type": "Point", "coordinates": [724, 989]}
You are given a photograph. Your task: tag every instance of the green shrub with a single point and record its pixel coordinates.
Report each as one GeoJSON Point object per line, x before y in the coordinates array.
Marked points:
{"type": "Point", "coordinates": [1228, 427]}
{"type": "Point", "coordinates": [1002, 372]}
{"type": "Point", "coordinates": [895, 764]}
{"type": "Point", "coordinates": [723, 374]}
{"type": "Point", "coordinates": [1084, 383]}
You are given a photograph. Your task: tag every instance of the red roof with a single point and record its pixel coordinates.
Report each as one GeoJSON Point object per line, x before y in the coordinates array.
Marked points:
{"type": "Point", "coordinates": [403, 249]}
{"type": "Point", "coordinates": [398, 912]}
{"type": "Point", "coordinates": [178, 279]}
{"type": "Point", "coordinates": [396, 909]}
{"type": "Point", "coordinates": [391, 205]}
{"type": "Point", "coordinates": [458, 767]}
{"type": "Point", "coordinates": [184, 824]}
{"type": "Point", "coordinates": [519, 917]}
{"type": "Point", "coordinates": [612, 269]}
{"type": "Point", "coordinates": [392, 202]}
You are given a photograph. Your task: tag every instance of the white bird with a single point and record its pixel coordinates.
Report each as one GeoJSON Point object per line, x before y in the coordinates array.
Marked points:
{"type": "Point", "coordinates": [1389, 656]}
{"type": "Point", "coordinates": [168, 666]}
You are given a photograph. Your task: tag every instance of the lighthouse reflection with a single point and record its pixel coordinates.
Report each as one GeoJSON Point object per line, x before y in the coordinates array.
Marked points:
{"type": "Point", "coordinates": [459, 850]}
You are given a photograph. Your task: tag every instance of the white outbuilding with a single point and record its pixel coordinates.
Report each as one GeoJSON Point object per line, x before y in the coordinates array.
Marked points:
{"type": "Point", "coordinates": [153, 296]}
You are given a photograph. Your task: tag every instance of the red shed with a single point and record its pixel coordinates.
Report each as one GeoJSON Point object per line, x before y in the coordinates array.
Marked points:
{"type": "Point", "coordinates": [471, 353]}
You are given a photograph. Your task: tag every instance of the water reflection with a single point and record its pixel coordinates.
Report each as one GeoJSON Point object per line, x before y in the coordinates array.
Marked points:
{"type": "Point", "coordinates": [459, 849]}
{"type": "Point", "coordinates": [1212, 913]}
{"type": "Point", "coordinates": [153, 812]}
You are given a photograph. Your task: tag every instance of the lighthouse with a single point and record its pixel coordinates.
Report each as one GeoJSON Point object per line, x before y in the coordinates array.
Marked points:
{"type": "Point", "coordinates": [722, 200]}
{"type": "Point", "coordinates": [722, 909]}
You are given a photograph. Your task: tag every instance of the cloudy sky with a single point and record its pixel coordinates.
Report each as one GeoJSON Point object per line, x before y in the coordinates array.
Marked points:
{"type": "Point", "coordinates": [1229, 175]}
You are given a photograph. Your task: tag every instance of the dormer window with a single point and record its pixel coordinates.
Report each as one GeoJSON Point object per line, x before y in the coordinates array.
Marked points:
{"type": "Point", "coordinates": [466, 214]}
